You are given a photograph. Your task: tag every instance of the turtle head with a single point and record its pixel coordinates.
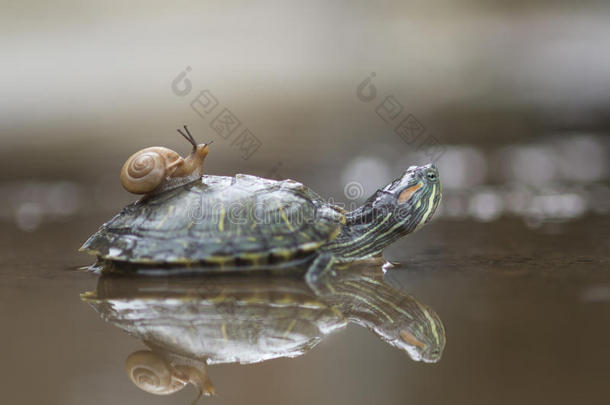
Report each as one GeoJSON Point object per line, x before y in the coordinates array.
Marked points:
{"type": "Point", "coordinates": [364, 296]}
{"type": "Point", "coordinates": [413, 197]}
{"type": "Point", "coordinates": [401, 207]}
{"type": "Point", "coordinates": [424, 343]}
{"type": "Point", "coordinates": [420, 334]}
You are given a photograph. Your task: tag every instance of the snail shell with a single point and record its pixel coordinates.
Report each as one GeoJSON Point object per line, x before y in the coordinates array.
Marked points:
{"type": "Point", "coordinates": [152, 373]}
{"type": "Point", "coordinates": [145, 170]}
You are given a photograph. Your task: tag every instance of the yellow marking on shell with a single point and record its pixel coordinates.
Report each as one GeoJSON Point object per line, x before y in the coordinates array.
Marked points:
{"type": "Point", "coordinates": [88, 295]}
{"type": "Point", "coordinates": [313, 304]}
{"type": "Point", "coordinates": [219, 298]}
{"type": "Point", "coordinates": [251, 239]}
{"type": "Point", "coordinates": [253, 299]}
{"type": "Point", "coordinates": [223, 329]}
{"type": "Point", "coordinates": [143, 260]}
{"type": "Point", "coordinates": [289, 299]}
{"type": "Point", "coordinates": [220, 260]}
{"type": "Point", "coordinates": [254, 257]}
{"type": "Point", "coordinates": [310, 246]}
{"type": "Point", "coordinates": [283, 253]}
{"type": "Point", "coordinates": [221, 220]}
{"type": "Point", "coordinates": [304, 234]}
{"type": "Point", "coordinates": [167, 214]}
{"type": "Point", "coordinates": [285, 218]}
{"type": "Point", "coordinates": [290, 326]}
{"type": "Point", "coordinates": [278, 237]}
{"type": "Point", "coordinates": [286, 299]}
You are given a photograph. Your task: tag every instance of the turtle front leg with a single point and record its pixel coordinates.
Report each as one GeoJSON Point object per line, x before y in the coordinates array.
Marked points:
{"type": "Point", "coordinates": [320, 271]}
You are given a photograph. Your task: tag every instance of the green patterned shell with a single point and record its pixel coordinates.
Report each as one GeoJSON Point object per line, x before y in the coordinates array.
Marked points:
{"type": "Point", "coordinates": [222, 221]}
{"type": "Point", "coordinates": [224, 320]}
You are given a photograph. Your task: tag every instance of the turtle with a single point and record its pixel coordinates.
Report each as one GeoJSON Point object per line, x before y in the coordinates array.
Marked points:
{"type": "Point", "coordinates": [222, 319]}
{"type": "Point", "coordinates": [246, 223]}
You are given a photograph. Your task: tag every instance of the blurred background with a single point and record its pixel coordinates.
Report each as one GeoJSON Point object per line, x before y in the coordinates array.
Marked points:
{"type": "Point", "coordinates": [513, 95]}
{"type": "Point", "coordinates": [510, 100]}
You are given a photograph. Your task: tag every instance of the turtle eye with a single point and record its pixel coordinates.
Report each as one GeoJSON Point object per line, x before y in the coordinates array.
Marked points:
{"type": "Point", "coordinates": [432, 176]}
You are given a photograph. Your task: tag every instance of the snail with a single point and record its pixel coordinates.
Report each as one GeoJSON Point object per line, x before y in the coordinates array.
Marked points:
{"type": "Point", "coordinates": [157, 168]}
{"type": "Point", "coordinates": [163, 375]}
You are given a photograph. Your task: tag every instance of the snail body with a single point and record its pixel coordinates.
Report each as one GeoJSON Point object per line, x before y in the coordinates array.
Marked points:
{"type": "Point", "coordinates": [158, 168]}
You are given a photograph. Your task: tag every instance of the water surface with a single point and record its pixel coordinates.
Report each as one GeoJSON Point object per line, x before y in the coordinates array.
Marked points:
{"type": "Point", "coordinates": [526, 314]}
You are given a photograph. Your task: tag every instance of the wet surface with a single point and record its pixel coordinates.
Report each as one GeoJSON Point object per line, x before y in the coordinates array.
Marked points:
{"type": "Point", "coordinates": [526, 314]}
{"type": "Point", "coordinates": [510, 101]}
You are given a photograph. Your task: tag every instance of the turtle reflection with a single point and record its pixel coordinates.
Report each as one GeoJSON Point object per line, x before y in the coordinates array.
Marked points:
{"type": "Point", "coordinates": [189, 323]}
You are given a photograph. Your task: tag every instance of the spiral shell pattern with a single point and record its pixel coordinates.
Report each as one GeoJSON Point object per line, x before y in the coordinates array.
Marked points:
{"type": "Point", "coordinates": [144, 170]}
{"type": "Point", "coordinates": [151, 373]}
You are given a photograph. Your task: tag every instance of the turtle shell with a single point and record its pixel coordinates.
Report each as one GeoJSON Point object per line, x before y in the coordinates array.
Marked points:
{"type": "Point", "coordinates": [219, 319]}
{"type": "Point", "coordinates": [220, 221]}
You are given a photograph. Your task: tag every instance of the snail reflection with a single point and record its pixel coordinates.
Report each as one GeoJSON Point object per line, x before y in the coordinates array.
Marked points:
{"type": "Point", "coordinates": [189, 323]}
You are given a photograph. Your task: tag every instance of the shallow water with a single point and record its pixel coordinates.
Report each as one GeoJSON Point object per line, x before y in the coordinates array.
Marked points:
{"type": "Point", "coordinates": [526, 314]}
{"type": "Point", "coordinates": [509, 100]}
